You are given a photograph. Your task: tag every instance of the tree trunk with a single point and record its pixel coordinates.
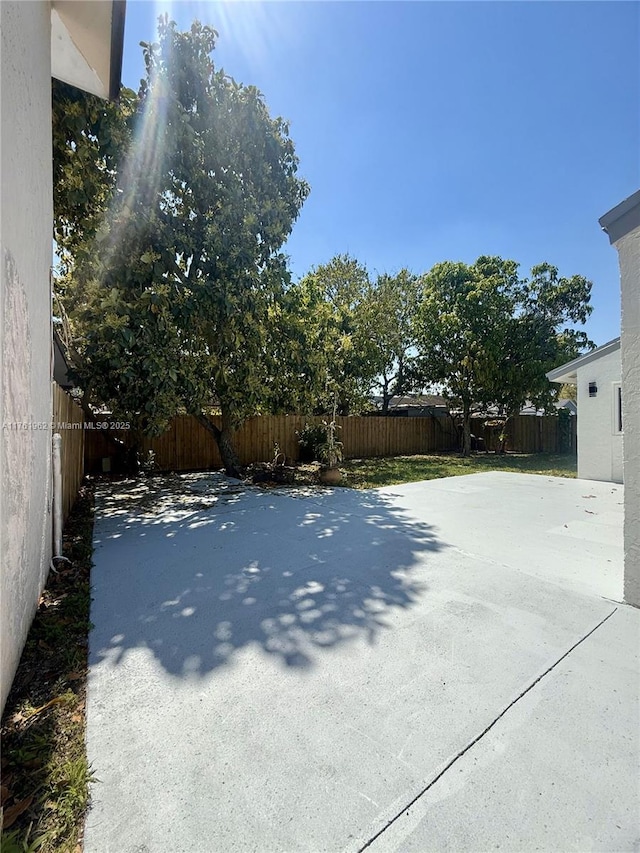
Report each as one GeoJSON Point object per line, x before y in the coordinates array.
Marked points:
{"type": "Point", "coordinates": [385, 396]}
{"type": "Point", "coordinates": [224, 440]}
{"type": "Point", "coordinates": [228, 453]}
{"type": "Point", "coordinates": [466, 430]}
{"type": "Point", "coordinates": [503, 436]}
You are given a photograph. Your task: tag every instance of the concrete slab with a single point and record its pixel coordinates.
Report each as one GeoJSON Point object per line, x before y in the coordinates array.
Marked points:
{"type": "Point", "coordinates": [277, 673]}
{"type": "Point", "coordinates": [549, 778]}
{"type": "Point", "coordinates": [566, 531]}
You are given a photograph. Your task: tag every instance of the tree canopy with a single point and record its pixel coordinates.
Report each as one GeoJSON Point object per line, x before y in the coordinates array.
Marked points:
{"type": "Point", "coordinates": [389, 319]}
{"type": "Point", "coordinates": [340, 347]}
{"type": "Point", "coordinates": [188, 265]}
{"type": "Point", "coordinates": [90, 139]}
{"type": "Point", "coordinates": [489, 337]}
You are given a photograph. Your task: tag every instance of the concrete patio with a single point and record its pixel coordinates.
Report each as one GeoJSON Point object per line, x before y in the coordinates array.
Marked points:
{"type": "Point", "coordinates": [434, 666]}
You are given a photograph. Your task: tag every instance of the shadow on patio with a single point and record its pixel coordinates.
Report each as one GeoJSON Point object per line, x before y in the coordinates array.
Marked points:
{"type": "Point", "coordinates": [196, 580]}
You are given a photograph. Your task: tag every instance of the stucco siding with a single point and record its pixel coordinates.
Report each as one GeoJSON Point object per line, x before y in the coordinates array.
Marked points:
{"type": "Point", "coordinates": [629, 258]}
{"type": "Point", "coordinates": [25, 324]}
{"type": "Point", "coordinates": [599, 445]}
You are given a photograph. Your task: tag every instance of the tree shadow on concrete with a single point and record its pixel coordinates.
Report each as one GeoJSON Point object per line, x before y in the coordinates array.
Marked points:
{"type": "Point", "coordinates": [293, 575]}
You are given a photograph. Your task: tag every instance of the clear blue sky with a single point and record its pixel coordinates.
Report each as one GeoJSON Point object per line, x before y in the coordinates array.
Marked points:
{"type": "Point", "coordinates": [433, 131]}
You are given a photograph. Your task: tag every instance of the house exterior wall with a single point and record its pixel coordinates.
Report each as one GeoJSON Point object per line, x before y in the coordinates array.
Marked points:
{"type": "Point", "coordinates": [629, 258]}
{"type": "Point", "coordinates": [599, 444]}
{"type": "Point", "coordinates": [25, 322]}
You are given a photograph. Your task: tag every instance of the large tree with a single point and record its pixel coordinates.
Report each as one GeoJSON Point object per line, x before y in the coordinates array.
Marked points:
{"type": "Point", "coordinates": [390, 312]}
{"type": "Point", "coordinates": [488, 337]}
{"type": "Point", "coordinates": [91, 137]}
{"type": "Point", "coordinates": [461, 325]}
{"type": "Point", "coordinates": [340, 357]}
{"type": "Point", "coordinates": [541, 335]}
{"type": "Point", "coordinates": [190, 266]}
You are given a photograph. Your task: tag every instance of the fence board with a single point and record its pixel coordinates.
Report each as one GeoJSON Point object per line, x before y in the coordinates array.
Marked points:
{"type": "Point", "coordinates": [531, 434]}
{"type": "Point", "coordinates": [187, 446]}
{"type": "Point", "coordinates": [68, 421]}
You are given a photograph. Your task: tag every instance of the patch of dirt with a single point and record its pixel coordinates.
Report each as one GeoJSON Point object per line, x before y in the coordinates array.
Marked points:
{"type": "Point", "coordinates": [44, 772]}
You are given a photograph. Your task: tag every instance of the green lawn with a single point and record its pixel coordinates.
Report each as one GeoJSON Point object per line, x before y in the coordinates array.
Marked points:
{"type": "Point", "coordinates": [370, 473]}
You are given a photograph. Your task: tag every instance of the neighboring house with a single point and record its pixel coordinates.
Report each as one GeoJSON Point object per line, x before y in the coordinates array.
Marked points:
{"type": "Point", "coordinates": [80, 43]}
{"type": "Point", "coordinates": [622, 224]}
{"type": "Point", "coordinates": [433, 405]}
{"type": "Point", "coordinates": [527, 409]}
{"type": "Point", "coordinates": [415, 406]}
{"type": "Point", "coordinates": [597, 375]}
{"type": "Point", "coordinates": [568, 405]}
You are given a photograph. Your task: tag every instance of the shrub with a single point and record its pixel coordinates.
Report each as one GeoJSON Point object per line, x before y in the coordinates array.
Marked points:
{"type": "Point", "coordinates": [311, 438]}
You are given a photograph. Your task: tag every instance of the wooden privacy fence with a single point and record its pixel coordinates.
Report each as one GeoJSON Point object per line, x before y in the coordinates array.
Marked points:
{"type": "Point", "coordinates": [68, 421]}
{"type": "Point", "coordinates": [531, 434]}
{"type": "Point", "coordinates": [187, 446]}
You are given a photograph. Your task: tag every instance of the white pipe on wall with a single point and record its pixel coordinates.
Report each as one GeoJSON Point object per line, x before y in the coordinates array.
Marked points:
{"type": "Point", "coordinates": [57, 495]}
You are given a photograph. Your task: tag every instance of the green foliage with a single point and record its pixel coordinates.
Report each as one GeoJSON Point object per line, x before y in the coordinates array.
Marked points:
{"type": "Point", "coordinates": [461, 327]}
{"type": "Point", "coordinates": [14, 841]}
{"type": "Point", "coordinates": [336, 356]}
{"type": "Point", "coordinates": [390, 311]}
{"type": "Point", "coordinates": [488, 337]}
{"type": "Point", "coordinates": [568, 392]}
{"type": "Point", "coordinates": [318, 442]}
{"type": "Point", "coordinates": [183, 284]}
{"type": "Point", "coordinates": [90, 138]}
{"type": "Point", "coordinates": [172, 209]}
{"type": "Point", "coordinates": [538, 338]}
{"type": "Point", "coordinates": [43, 735]}
{"type": "Point", "coordinates": [330, 450]}
{"type": "Point", "coordinates": [310, 438]}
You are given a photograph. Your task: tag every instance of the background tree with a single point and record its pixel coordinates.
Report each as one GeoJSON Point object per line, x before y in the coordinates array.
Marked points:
{"type": "Point", "coordinates": [568, 392]}
{"type": "Point", "coordinates": [540, 336]}
{"type": "Point", "coordinates": [341, 356]}
{"type": "Point", "coordinates": [389, 310]}
{"type": "Point", "coordinates": [461, 326]}
{"type": "Point", "coordinates": [490, 338]}
{"type": "Point", "coordinates": [190, 263]}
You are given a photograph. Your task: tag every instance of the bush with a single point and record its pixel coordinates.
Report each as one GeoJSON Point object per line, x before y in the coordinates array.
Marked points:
{"type": "Point", "coordinates": [311, 438]}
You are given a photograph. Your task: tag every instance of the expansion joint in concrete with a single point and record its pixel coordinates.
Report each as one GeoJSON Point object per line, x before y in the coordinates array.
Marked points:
{"type": "Point", "coordinates": [485, 731]}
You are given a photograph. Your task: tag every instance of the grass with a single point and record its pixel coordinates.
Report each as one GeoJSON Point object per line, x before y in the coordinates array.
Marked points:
{"type": "Point", "coordinates": [374, 472]}
{"type": "Point", "coordinates": [45, 775]}
{"type": "Point", "coordinates": [371, 473]}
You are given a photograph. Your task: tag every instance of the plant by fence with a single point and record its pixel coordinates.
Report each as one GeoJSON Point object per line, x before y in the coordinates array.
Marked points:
{"type": "Point", "coordinates": [68, 420]}
{"type": "Point", "coordinates": [187, 446]}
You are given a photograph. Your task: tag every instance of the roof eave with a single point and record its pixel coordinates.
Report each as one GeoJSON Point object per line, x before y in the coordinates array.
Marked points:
{"type": "Point", "coordinates": [567, 373]}
{"type": "Point", "coordinates": [622, 218]}
{"type": "Point", "coordinates": [117, 48]}
{"type": "Point", "coordinates": [87, 42]}
{"type": "Point", "coordinates": [563, 376]}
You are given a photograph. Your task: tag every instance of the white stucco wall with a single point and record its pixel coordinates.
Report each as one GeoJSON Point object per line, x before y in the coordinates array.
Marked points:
{"type": "Point", "coordinates": [629, 257]}
{"type": "Point", "coordinates": [599, 446]}
{"type": "Point", "coordinates": [25, 321]}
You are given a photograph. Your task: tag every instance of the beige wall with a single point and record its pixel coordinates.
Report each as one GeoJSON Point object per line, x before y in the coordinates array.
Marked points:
{"type": "Point", "coordinates": [25, 324]}
{"type": "Point", "coordinates": [629, 257]}
{"type": "Point", "coordinates": [599, 445]}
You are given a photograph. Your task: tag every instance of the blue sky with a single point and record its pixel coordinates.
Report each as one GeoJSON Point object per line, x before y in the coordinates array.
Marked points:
{"type": "Point", "coordinates": [433, 131]}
